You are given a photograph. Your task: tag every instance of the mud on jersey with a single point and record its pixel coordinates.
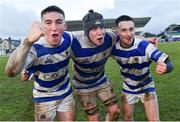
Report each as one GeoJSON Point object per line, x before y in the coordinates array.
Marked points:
{"type": "Point", "coordinates": [50, 68]}
{"type": "Point", "coordinates": [89, 61]}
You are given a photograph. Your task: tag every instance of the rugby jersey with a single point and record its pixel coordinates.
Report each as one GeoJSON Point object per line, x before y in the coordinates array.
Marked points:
{"type": "Point", "coordinates": [89, 61]}
{"type": "Point", "coordinates": [135, 63]}
{"type": "Point", "coordinates": [50, 68]}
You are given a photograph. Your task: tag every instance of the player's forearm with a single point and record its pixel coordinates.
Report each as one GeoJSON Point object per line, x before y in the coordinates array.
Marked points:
{"type": "Point", "coordinates": [17, 59]}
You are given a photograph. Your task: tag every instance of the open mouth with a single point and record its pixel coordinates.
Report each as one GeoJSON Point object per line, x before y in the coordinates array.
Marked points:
{"type": "Point", "coordinates": [99, 38]}
{"type": "Point", "coordinates": [129, 39]}
{"type": "Point", "coordinates": [54, 35]}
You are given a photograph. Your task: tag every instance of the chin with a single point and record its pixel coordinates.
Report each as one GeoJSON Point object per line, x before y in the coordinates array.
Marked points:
{"type": "Point", "coordinates": [100, 42]}
{"type": "Point", "coordinates": [55, 43]}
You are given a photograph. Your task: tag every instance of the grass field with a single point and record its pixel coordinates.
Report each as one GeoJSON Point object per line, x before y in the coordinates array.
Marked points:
{"type": "Point", "coordinates": [16, 95]}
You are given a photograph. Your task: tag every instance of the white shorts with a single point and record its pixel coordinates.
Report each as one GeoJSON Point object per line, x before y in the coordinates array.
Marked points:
{"type": "Point", "coordinates": [134, 98]}
{"type": "Point", "coordinates": [47, 110]}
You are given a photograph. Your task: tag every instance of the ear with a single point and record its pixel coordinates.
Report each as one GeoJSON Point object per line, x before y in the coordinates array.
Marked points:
{"type": "Point", "coordinates": [65, 26]}
{"type": "Point", "coordinates": [116, 29]}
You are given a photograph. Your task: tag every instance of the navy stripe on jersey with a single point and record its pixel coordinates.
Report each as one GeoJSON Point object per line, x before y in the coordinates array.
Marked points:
{"type": "Point", "coordinates": [135, 65]}
{"type": "Point", "coordinates": [53, 67]}
{"type": "Point", "coordinates": [41, 50]}
{"type": "Point", "coordinates": [31, 70]}
{"type": "Point", "coordinates": [151, 89]}
{"type": "Point", "coordinates": [140, 51]}
{"type": "Point", "coordinates": [155, 55]}
{"type": "Point", "coordinates": [46, 99]}
{"type": "Point", "coordinates": [46, 68]}
{"type": "Point", "coordinates": [52, 51]}
{"type": "Point", "coordinates": [63, 86]}
{"type": "Point", "coordinates": [93, 85]}
{"type": "Point", "coordinates": [76, 47]}
{"type": "Point", "coordinates": [90, 81]}
{"type": "Point", "coordinates": [49, 84]}
{"type": "Point", "coordinates": [46, 50]}
{"type": "Point", "coordinates": [84, 74]}
{"type": "Point", "coordinates": [142, 84]}
{"type": "Point", "coordinates": [92, 65]}
{"type": "Point", "coordinates": [67, 37]}
{"type": "Point", "coordinates": [135, 77]}
{"type": "Point", "coordinates": [127, 54]}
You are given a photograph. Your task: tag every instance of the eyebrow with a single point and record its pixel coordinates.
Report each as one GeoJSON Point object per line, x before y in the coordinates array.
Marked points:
{"type": "Point", "coordinates": [55, 20]}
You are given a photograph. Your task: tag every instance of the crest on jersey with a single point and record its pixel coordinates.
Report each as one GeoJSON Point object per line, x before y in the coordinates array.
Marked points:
{"type": "Point", "coordinates": [104, 53]}
{"type": "Point", "coordinates": [135, 60]}
{"type": "Point", "coordinates": [48, 60]}
{"type": "Point", "coordinates": [84, 60]}
{"type": "Point", "coordinates": [66, 53]}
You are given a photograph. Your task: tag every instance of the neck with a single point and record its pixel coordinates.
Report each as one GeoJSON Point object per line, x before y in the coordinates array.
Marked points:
{"type": "Point", "coordinates": [126, 46]}
{"type": "Point", "coordinates": [89, 42]}
{"type": "Point", "coordinates": [51, 44]}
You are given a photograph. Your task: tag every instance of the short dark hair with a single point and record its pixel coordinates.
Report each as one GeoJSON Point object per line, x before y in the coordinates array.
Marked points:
{"type": "Point", "coordinates": [52, 9]}
{"type": "Point", "coordinates": [123, 18]}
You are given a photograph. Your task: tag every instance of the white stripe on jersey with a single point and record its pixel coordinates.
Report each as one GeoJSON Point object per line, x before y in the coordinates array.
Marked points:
{"type": "Point", "coordinates": [53, 75]}
{"type": "Point", "coordinates": [52, 89]}
{"type": "Point", "coordinates": [50, 94]}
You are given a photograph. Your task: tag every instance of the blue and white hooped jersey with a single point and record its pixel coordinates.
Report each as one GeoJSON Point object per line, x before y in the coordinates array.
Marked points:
{"type": "Point", "coordinates": [135, 63]}
{"type": "Point", "coordinates": [50, 68]}
{"type": "Point", "coordinates": [89, 61]}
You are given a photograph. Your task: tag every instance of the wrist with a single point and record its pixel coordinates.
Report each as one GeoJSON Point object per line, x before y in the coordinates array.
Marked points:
{"type": "Point", "coordinates": [27, 42]}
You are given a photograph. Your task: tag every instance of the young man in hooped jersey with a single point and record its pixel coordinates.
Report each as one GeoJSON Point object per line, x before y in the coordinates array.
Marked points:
{"type": "Point", "coordinates": [134, 56]}
{"type": "Point", "coordinates": [90, 52]}
{"type": "Point", "coordinates": [45, 53]}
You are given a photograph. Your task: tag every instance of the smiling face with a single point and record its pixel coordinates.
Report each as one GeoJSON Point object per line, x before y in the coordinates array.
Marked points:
{"type": "Point", "coordinates": [126, 31]}
{"type": "Point", "coordinates": [96, 35]}
{"type": "Point", "coordinates": [54, 26]}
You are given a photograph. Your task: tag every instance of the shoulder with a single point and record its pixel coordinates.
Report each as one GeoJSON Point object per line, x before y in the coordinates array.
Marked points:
{"type": "Point", "coordinates": [39, 44]}
{"type": "Point", "coordinates": [145, 45]}
{"type": "Point", "coordinates": [141, 43]}
{"type": "Point", "coordinates": [111, 35]}
{"type": "Point", "coordinates": [79, 37]}
{"type": "Point", "coordinates": [67, 36]}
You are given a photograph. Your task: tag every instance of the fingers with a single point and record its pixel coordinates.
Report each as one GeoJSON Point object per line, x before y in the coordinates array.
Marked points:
{"type": "Point", "coordinates": [42, 29]}
{"type": "Point", "coordinates": [36, 32]}
{"type": "Point", "coordinates": [161, 68]}
{"type": "Point", "coordinates": [24, 75]}
{"type": "Point", "coordinates": [154, 41]}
